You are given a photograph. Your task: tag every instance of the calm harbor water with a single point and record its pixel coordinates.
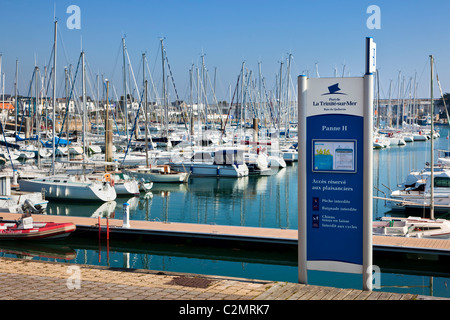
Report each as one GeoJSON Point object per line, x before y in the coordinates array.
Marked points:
{"type": "Point", "coordinates": [267, 202]}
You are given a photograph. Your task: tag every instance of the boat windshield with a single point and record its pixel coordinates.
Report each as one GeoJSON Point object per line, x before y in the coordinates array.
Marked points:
{"type": "Point", "coordinates": [442, 182]}
{"type": "Point", "coordinates": [229, 157]}
{"type": "Point", "coordinates": [202, 157]}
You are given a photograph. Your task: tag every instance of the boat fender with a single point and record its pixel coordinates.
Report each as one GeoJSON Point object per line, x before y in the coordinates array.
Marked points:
{"type": "Point", "coordinates": [112, 183]}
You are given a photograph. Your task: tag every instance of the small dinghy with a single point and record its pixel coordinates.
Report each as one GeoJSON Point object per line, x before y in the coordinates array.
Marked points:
{"type": "Point", "coordinates": [26, 229]}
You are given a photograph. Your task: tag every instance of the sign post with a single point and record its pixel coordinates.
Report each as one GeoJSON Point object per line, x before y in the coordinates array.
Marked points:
{"type": "Point", "coordinates": [335, 176]}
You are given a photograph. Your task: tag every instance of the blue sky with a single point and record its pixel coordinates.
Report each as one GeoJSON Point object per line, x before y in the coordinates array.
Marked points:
{"type": "Point", "coordinates": [330, 34]}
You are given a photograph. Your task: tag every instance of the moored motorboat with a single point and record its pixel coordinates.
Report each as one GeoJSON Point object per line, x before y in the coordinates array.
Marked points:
{"type": "Point", "coordinates": [15, 202]}
{"type": "Point", "coordinates": [224, 162]}
{"type": "Point", "coordinates": [415, 192]}
{"type": "Point", "coordinates": [412, 227]}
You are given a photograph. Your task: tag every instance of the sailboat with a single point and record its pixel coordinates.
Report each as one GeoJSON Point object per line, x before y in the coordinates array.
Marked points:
{"type": "Point", "coordinates": [64, 186]}
{"type": "Point", "coordinates": [429, 188]}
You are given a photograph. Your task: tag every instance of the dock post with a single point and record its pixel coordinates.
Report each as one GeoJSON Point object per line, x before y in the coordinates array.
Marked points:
{"type": "Point", "coordinates": [99, 229]}
{"type": "Point", "coordinates": [99, 241]}
{"type": "Point", "coordinates": [15, 174]}
{"type": "Point", "coordinates": [107, 228]}
{"type": "Point", "coordinates": [126, 215]}
{"type": "Point", "coordinates": [107, 239]}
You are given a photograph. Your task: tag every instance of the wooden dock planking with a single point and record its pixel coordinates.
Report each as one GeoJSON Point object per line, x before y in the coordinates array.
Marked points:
{"type": "Point", "coordinates": [342, 294]}
{"type": "Point", "coordinates": [330, 293]}
{"type": "Point", "coordinates": [288, 290]}
{"type": "Point", "coordinates": [410, 244]}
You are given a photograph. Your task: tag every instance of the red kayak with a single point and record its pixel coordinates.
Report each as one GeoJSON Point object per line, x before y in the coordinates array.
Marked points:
{"type": "Point", "coordinates": [26, 229]}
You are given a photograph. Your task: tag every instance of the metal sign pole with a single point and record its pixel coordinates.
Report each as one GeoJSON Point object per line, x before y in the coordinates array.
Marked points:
{"type": "Point", "coordinates": [302, 100]}
{"type": "Point", "coordinates": [368, 182]}
{"type": "Point", "coordinates": [368, 162]}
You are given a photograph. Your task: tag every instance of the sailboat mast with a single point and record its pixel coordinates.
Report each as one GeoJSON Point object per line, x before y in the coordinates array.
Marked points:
{"type": "Point", "coordinates": [279, 99]}
{"type": "Point", "coordinates": [54, 100]}
{"type": "Point", "coordinates": [203, 86]}
{"type": "Point", "coordinates": [166, 111]}
{"type": "Point", "coordinates": [432, 138]}
{"type": "Point", "coordinates": [16, 109]}
{"type": "Point", "coordinates": [66, 78]}
{"type": "Point", "coordinates": [83, 70]}
{"type": "Point", "coordinates": [191, 102]}
{"type": "Point", "coordinates": [414, 103]}
{"type": "Point", "coordinates": [378, 98]}
{"type": "Point", "coordinates": [125, 98]}
{"type": "Point", "coordinates": [288, 77]}
{"type": "Point", "coordinates": [389, 120]}
{"type": "Point", "coordinates": [37, 115]}
{"type": "Point", "coordinates": [145, 83]}
{"type": "Point", "coordinates": [398, 99]}
{"type": "Point", "coordinates": [241, 105]}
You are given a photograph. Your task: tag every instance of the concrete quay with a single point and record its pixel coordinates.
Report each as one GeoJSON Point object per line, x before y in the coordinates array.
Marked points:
{"type": "Point", "coordinates": [38, 280]}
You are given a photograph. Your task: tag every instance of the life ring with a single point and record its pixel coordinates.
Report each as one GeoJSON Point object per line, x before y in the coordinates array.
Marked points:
{"type": "Point", "coordinates": [107, 177]}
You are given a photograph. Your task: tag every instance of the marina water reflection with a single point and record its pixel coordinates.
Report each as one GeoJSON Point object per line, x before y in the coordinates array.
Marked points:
{"type": "Point", "coordinates": [258, 201]}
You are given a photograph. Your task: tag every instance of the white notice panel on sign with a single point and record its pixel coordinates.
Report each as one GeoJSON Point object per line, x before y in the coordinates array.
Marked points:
{"type": "Point", "coordinates": [334, 156]}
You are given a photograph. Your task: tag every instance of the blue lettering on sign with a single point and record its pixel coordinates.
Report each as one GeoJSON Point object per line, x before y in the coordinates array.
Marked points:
{"type": "Point", "coordinates": [334, 192]}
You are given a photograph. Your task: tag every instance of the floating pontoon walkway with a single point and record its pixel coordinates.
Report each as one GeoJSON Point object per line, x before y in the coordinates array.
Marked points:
{"type": "Point", "coordinates": [218, 234]}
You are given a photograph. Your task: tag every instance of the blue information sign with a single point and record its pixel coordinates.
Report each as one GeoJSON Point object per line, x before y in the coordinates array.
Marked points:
{"type": "Point", "coordinates": [334, 172]}
{"type": "Point", "coordinates": [334, 192]}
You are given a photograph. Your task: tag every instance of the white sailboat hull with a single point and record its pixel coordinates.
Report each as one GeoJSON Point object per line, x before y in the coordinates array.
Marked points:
{"type": "Point", "coordinates": [62, 188]}
{"type": "Point", "coordinates": [76, 150]}
{"type": "Point", "coordinates": [148, 176]}
{"type": "Point", "coordinates": [276, 161]}
{"type": "Point", "coordinates": [95, 149]}
{"type": "Point", "coordinates": [396, 141]}
{"type": "Point", "coordinates": [420, 137]}
{"type": "Point", "coordinates": [289, 155]}
{"type": "Point", "coordinates": [130, 187]}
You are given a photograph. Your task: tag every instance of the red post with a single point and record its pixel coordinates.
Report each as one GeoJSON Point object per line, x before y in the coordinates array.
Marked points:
{"type": "Point", "coordinates": [99, 242]}
{"type": "Point", "coordinates": [107, 238]}
{"type": "Point", "coordinates": [99, 229]}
